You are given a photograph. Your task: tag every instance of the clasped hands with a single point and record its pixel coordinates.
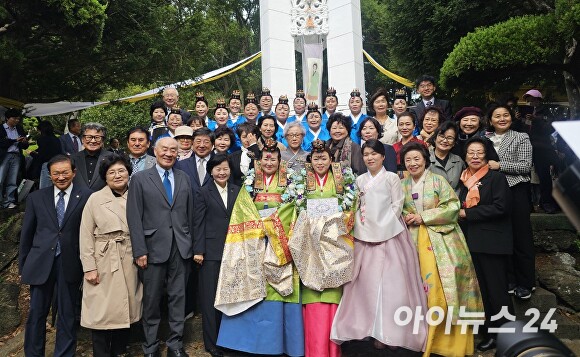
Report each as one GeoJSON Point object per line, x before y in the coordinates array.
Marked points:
{"type": "Point", "coordinates": [413, 219]}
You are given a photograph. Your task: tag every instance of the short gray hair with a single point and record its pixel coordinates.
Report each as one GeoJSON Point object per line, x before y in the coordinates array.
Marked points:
{"type": "Point", "coordinates": [94, 126]}
{"type": "Point", "coordinates": [294, 124]}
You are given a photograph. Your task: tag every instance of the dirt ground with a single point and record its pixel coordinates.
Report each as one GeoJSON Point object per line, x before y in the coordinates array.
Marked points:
{"type": "Point", "coordinates": [11, 345]}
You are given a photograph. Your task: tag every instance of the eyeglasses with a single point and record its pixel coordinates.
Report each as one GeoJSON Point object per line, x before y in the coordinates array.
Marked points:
{"type": "Point", "coordinates": [428, 85]}
{"type": "Point", "coordinates": [449, 139]}
{"type": "Point", "coordinates": [114, 173]}
{"type": "Point", "coordinates": [292, 136]}
{"type": "Point", "coordinates": [89, 138]}
{"type": "Point", "coordinates": [476, 153]}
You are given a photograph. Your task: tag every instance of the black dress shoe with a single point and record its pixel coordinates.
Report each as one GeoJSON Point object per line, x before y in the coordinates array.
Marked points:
{"type": "Point", "coordinates": [523, 293]}
{"type": "Point", "coordinates": [177, 353]}
{"type": "Point", "coordinates": [486, 345]}
{"type": "Point", "coordinates": [214, 352]}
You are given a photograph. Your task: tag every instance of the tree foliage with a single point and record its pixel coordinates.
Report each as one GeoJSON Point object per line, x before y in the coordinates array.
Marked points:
{"type": "Point", "coordinates": [524, 49]}
{"type": "Point", "coordinates": [76, 50]}
{"type": "Point", "coordinates": [419, 34]}
{"type": "Point", "coordinates": [519, 42]}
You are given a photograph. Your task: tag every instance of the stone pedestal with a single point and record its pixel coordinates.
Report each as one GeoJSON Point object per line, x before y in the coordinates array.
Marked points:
{"type": "Point", "coordinates": [278, 58]}
{"type": "Point", "coordinates": [344, 50]}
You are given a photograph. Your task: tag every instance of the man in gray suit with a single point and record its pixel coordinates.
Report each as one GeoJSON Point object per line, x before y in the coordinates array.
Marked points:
{"type": "Point", "coordinates": [138, 144]}
{"type": "Point", "coordinates": [160, 218]}
{"type": "Point", "coordinates": [88, 160]}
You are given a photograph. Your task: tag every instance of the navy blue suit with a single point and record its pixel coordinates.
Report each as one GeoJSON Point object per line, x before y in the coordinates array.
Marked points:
{"type": "Point", "coordinates": [67, 144]}
{"type": "Point", "coordinates": [189, 166]}
{"type": "Point", "coordinates": [211, 219]}
{"type": "Point", "coordinates": [390, 161]}
{"type": "Point", "coordinates": [42, 270]}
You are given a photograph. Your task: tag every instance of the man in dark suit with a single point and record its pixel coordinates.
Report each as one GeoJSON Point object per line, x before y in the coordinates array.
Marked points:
{"type": "Point", "coordinates": [89, 159]}
{"type": "Point", "coordinates": [426, 87]}
{"type": "Point", "coordinates": [196, 165]}
{"type": "Point", "coordinates": [171, 100]}
{"type": "Point", "coordinates": [160, 218]}
{"type": "Point", "coordinates": [12, 141]}
{"type": "Point", "coordinates": [196, 168]}
{"type": "Point", "coordinates": [71, 142]}
{"type": "Point", "coordinates": [213, 208]}
{"type": "Point", "coordinates": [49, 256]}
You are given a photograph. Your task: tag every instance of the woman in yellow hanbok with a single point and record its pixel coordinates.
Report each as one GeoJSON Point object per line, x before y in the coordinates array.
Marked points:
{"type": "Point", "coordinates": [258, 289]}
{"type": "Point", "coordinates": [431, 211]}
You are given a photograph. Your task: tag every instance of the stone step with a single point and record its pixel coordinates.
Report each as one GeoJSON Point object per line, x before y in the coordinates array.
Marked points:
{"type": "Point", "coordinates": [548, 222]}
{"type": "Point", "coordinates": [541, 299]}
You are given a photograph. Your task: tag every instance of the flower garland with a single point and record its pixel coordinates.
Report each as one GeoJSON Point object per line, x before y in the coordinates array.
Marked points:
{"type": "Point", "coordinates": [249, 181]}
{"type": "Point", "coordinates": [295, 192]}
{"type": "Point", "coordinates": [347, 199]}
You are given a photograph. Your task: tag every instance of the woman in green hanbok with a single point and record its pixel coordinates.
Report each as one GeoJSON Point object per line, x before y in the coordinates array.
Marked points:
{"type": "Point", "coordinates": [322, 246]}
{"type": "Point", "coordinates": [431, 210]}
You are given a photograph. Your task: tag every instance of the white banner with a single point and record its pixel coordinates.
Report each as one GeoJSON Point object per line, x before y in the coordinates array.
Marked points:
{"type": "Point", "coordinates": [45, 109]}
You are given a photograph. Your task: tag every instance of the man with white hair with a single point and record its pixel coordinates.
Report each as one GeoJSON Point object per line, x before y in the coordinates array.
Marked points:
{"type": "Point", "coordinates": [171, 100]}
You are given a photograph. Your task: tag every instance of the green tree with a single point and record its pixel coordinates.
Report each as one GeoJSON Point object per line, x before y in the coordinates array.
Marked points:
{"type": "Point", "coordinates": [513, 51]}
{"type": "Point", "coordinates": [417, 35]}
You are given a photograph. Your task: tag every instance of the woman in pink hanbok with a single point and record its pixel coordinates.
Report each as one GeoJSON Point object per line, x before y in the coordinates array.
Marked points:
{"type": "Point", "coordinates": [386, 273]}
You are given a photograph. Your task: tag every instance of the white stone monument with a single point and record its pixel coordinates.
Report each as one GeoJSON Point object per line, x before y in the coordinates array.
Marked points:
{"type": "Point", "coordinates": [308, 26]}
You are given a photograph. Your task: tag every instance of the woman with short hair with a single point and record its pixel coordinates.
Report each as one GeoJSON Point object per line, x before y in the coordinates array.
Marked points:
{"type": "Point", "coordinates": [112, 291]}
{"type": "Point", "coordinates": [387, 274]}
{"type": "Point", "coordinates": [371, 129]}
{"type": "Point", "coordinates": [515, 162]}
{"type": "Point", "coordinates": [380, 105]}
{"type": "Point", "coordinates": [342, 148]}
{"type": "Point", "coordinates": [431, 210]}
{"type": "Point", "coordinates": [486, 207]}
{"type": "Point", "coordinates": [294, 155]}
{"type": "Point", "coordinates": [431, 119]}
{"type": "Point", "coordinates": [443, 161]}
{"type": "Point", "coordinates": [223, 139]}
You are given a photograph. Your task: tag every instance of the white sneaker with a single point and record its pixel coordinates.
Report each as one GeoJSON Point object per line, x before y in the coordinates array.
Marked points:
{"type": "Point", "coordinates": [11, 206]}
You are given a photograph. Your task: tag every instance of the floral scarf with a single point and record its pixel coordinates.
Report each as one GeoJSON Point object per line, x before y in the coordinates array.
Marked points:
{"type": "Point", "coordinates": [471, 181]}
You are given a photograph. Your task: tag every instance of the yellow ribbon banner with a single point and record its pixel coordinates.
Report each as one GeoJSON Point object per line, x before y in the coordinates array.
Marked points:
{"type": "Point", "coordinates": [391, 75]}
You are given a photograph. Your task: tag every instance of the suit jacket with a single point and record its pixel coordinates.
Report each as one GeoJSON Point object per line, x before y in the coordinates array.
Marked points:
{"type": "Point", "coordinates": [6, 142]}
{"type": "Point", "coordinates": [487, 226]}
{"type": "Point", "coordinates": [154, 222]}
{"type": "Point", "coordinates": [211, 220]}
{"type": "Point", "coordinates": [452, 170]}
{"type": "Point", "coordinates": [390, 161]}
{"type": "Point", "coordinates": [189, 166]}
{"type": "Point", "coordinates": [40, 233]}
{"type": "Point", "coordinates": [515, 157]}
{"type": "Point", "coordinates": [67, 144]}
{"type": "Point", "coordinates": [235, 158]}
{"type": "Point", "coordinates": [81, 178]}
{"type": "Point", "coordinates": [443, 104]}
{"type": "Point", "coordinates": [150, 161]}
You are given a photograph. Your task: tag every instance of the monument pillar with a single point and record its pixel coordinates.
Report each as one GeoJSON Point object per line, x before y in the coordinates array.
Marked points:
{"type": "Point", "coordinates": [344, 50]}
{"type": "Point", "coordinates": [277, 43]}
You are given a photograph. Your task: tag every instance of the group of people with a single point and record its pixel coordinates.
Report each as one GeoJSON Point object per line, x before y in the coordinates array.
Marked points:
{"type": "Point", "coordinates": [293, 234]}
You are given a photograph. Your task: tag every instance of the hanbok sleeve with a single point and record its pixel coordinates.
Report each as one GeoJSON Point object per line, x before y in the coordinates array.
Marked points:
{"type": "Point", "coordinates": [444, 202]}
{"type": "Point", "coordinates": [397, 197]}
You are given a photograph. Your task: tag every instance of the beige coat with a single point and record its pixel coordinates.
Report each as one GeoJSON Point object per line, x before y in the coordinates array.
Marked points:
{"type": "Point", "coordinates": [115, 302]}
